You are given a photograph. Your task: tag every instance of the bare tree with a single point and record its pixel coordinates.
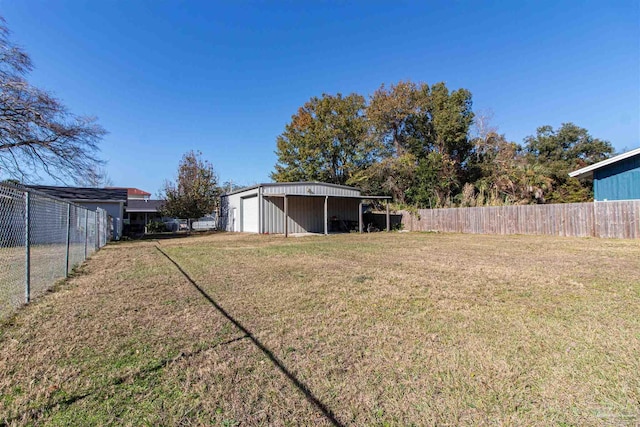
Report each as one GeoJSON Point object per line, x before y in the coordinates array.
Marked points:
{"type": "Point", "coordinates": [482, 131]}
{"type": "Point", "coordinates": [37, 133]}
{"type": "Point", "coordinates": [97, 177]}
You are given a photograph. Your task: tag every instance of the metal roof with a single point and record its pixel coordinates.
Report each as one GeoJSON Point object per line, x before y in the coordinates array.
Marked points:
{"type": "Point", "coordinates": [83, 194]}
{"type": "Point", "coordinates": [588, 171]}
{"type": "Point", "coordinates": [144, 205]}
{"type": "Point", "coordinates": [277, 184]}
{"type": "Point", "coordinates": [361, 197]}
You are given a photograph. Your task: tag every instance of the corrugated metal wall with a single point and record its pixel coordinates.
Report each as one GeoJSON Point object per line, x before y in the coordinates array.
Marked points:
{"type": "Point", "coordinates": [306, 207]}
{"type": "Point", "coordinates": [305, 189]}
{"type": "Point", "coordinates": [273, 215]}
{"type": "Point", "coordinates": [306, 214]}
{"type": "Point", "coordinates": [344, 209]}
{"type": "Point", "coordinates": [619, 181]}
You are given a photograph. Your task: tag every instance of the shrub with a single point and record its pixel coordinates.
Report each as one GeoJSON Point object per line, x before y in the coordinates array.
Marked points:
{"type": "Point", "coordinates": [156, 227]}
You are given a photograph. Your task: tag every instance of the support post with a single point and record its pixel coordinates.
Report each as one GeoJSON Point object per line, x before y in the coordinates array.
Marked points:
{"type": "Point", "coordinates": [360, 216]}
{"type": "Point", "coordinates": [86, 232]}
{"type": "Point", "coordinates": [388, 217]}
{"type": "Point", "coordinates": [27, 245]}
{"type": "Point", "coordinates": [260, 211]}
{"type": "Point", "coordinates": [66, 258]}
{"type": "Point", "coordinates": [326, 211]}
{"type": "Point", "coordinates": [286, 216]}
{"type": "Point", "coordinates": [96, 236]}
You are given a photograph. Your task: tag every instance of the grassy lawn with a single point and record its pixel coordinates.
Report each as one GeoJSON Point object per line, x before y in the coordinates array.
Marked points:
{"type": "Point", "coordinates": [377, 329]}
{"type": "Point", "coordinates": [47, 266]}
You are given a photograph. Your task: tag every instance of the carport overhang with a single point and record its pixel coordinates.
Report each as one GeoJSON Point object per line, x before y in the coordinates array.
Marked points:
{"type": "Point", "coordinates": [326, 210]}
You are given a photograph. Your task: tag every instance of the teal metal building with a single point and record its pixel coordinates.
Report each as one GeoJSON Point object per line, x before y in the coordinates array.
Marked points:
{"type": "Point", "coordinates": [617, 178]}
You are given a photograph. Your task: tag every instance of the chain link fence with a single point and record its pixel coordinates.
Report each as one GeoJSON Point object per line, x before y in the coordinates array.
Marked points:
{"type": "Point", "coordinates": [41, 240]}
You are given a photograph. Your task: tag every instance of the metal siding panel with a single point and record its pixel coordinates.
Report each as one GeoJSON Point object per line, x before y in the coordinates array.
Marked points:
{"type": "Point", "coordinates": [597, 190]}
{"type": "Point", "coordinates": [344, 209]}
{"type": "Point", "coordinates": [317, 189]}
{"type": "Point", "coordinates": [273, 215]}
{"type": "Point", "coordinates": [223, 214]}
{"type": "Point", "coordinates": [306, 214]}
{"type": "Point", "coordinates": [619, 181]}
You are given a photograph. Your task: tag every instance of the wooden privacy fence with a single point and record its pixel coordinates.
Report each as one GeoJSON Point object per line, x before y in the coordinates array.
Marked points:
{"type": "Point", "coordinates": [620, 219]}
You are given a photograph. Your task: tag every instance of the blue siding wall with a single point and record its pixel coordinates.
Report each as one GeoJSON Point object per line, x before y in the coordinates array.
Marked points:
{"type": "Point", "coordinates": [619, 181]}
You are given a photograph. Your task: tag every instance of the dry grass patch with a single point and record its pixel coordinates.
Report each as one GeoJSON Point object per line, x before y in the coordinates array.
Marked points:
{"type": "Point", "coordinates": [380, 329]}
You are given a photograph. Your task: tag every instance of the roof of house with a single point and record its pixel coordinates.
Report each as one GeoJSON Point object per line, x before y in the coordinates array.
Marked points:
{"type": "Point", "coordinates": [587, 172]}
{"type": "Point", "coordinates": [83, 194]}
{"type": "Point", "coordinates": [144, 205]}
{"type": "Point", "coordinates": [131, 191]}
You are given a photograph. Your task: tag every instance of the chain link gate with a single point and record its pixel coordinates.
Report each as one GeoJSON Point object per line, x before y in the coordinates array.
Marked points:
{"type": "Point", "coordinates": [42, 239]}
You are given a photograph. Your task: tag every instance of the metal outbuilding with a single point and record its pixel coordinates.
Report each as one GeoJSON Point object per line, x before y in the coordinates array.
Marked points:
{"type": "Point", "coordinates": [294, 207]}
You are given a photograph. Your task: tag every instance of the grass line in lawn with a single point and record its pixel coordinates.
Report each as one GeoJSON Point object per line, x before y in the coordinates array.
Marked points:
{"type": "Point", "coordinates": [326, 411]}
{"type": "Point", "coordinates": [140, 374]}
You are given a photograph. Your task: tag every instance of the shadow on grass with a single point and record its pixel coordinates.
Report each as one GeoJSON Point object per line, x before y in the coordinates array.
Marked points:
{"type": "Point", "coordinates": [169, 235]}
{"type": "Point", "coordinates": [141, 373]}
{"type": "Point", "coordinates": [294, 380]}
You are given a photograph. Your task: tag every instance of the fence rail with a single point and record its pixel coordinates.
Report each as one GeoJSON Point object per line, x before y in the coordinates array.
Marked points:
{"type": "Point", "coordinates": [619, 219]}
{"type": "Point", "coordinates": [41, 240]}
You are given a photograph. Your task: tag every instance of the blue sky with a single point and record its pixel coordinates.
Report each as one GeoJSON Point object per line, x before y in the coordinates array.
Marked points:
{"type": "Point", "coordinates": [224, 78]}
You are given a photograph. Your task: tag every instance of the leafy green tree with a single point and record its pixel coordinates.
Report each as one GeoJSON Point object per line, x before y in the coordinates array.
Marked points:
{"type": "Point", "coordinates": [410, 142]}
{"type": "Point", "coordinates": [504, 174]}
{"type": "Point", "coordinates": [559, 152]}
{"type": "Point", "coordinates": [441, 143]}
{"type": "Point", "coordinates": [196, 192]}
{"type": "Point", "coordinates": [389, 175]}
{"type": "Point", "coordinates": [425, 130]}
{"type": "Point", "coordinates": [327, 141]}
{"type": "Point", "coordinates": [436, 180]}
{"type": "Point", "coordinates": [390, 112]}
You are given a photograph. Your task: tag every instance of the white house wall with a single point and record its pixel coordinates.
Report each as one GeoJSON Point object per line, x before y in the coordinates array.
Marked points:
{"type": "Point", "coordinates": [114, 209]}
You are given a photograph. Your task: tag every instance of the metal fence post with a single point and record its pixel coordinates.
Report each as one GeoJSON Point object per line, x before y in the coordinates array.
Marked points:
{"type": "Point", "coordinates": [66, 263]}
{"type": "Point", "coordinates": [97, 242]}
{"type": "Point", "coordinates": [86, 231]}
{"type": "Point", "coordinates": [27, 237]}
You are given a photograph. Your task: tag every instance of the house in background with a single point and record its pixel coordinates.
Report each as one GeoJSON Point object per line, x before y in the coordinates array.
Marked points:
{"type": "Point", "coordinates": [140, 210]}
{"type": "Point", "coordinates": [110, 199]}
{"type": "Point", "coordinates": [139, 213]}
{"type": "Point", "coordinates": [617, 178]}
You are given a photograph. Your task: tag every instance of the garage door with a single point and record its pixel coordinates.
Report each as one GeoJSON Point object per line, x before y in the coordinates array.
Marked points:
{"type": "Point", "coordinates": [250, 214]}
